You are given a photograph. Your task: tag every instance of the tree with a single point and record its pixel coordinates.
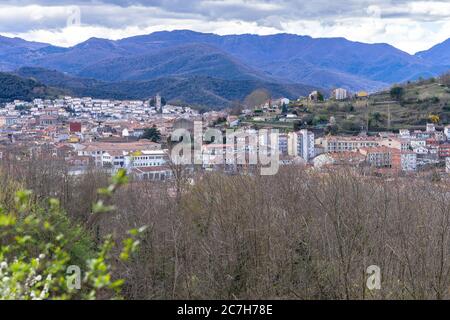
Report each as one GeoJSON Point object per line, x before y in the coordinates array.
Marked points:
{"type": "Point", "coordinates": [236, 108]}
{"type": "Point", "coordinates": [434, 118]}
{"type": "Point", "coordinates": [445, 79]}
{"type": "Point", "coordinates": [257, 98]}
{"type": "Point", "coordinates": [397, 93]}
{"type": "Point", "coordinates": [320, 96]}
{"type": "Point", "coordinates": [284, 109]}
{"type": "Point", "coordinates": [152, 134]}
{"type": "Point", "coordinates": [42, 252]}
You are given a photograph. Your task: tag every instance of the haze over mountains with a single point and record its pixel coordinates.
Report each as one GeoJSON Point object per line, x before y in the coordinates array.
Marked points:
{"type": "Point", "coordinates": [186, 60]}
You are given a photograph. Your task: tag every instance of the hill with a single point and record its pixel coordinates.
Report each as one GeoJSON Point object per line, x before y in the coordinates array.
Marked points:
{"type": "Point", "coordinates": [197, 90]}
{"type": "Point", "coordinates": [353, 65]}
{"type": "Point", "coordinates": [439, 54]}
{"type": "Point", "coordinates": [182, 61]}
{"type": "Point", "coordinates": [14, 87]}
{"type": "Point", "coordinates": [281, 58]}
{"type": "Point", "coordinates": [382, 111]}
{"type": "Point", "coordinates": [16, 52]}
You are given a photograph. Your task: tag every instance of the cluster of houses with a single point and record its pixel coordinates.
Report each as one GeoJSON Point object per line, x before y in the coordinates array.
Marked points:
{"type": "Point", "coordinates": [406, 151]}
{"type": "Point", "coordinates": [108, 134]}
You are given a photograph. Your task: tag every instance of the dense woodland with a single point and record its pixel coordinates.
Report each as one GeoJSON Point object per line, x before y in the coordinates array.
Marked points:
{"type": "Point", "coordinates": [296, 235]}
{"type": "Point", "coordinates": [13, 87]}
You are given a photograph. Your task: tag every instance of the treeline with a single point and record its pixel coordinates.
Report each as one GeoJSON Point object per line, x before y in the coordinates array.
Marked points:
{"type": "Point", "coordinates": [296, 235]}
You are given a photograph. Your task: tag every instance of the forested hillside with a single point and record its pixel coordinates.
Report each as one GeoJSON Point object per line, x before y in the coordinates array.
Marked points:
{"type": "Point", "coordinates": [14, 87]}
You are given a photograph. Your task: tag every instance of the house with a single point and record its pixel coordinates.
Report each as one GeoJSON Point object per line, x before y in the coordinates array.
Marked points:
{"type": "Point", "coordinates": [431, 127]}
{"type": "Point", "coordinates": [420, 150]}
{"type": "Point", "coordinates": [404, 133]}
{"type": "Point", "coordinates": [75, 127]}
{"type": "Point", "coordinates": [315, 96]}
{"type": "Point", "coordinates": [404, 160]}
{"type": "Point", "coordinates": [402, 144]}
{"type": "Point", "coordinates": [379, 157]}
{"type": "Point", "coordinates": [362, 95]}
{"type": "Point", "coordinates": [339, 94]}
{"type": "Point", "coordinates": [47, 120]}
{"type": "Point", "coordinates": [444, 150]}
{"type": "Point", "coordinates": [447, 132]}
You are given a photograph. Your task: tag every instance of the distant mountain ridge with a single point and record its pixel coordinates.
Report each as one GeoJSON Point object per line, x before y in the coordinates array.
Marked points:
{"type": "Point", "coordinates": [439, 54]}
{"type": "Point", "coordinates": [281, 59]}
{"type": "Point", "coordinates": [180, 61]}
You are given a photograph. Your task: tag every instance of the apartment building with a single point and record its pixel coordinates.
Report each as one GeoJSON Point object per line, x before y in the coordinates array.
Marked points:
{"type": "Point", "coordinates": [379, 157]}
{"type": "Point", "coordinates": [301, 144]}
{"type": "Point", "coordinates": [339, 94]}
{"type": "Point", "coordinates": [404, 161]}
{"type": "Point", "coordinates": [343, 144]}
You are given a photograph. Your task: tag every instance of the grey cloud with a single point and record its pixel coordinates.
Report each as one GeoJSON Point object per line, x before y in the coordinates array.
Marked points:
{"type": "Point", "coordinates": [118, 14]}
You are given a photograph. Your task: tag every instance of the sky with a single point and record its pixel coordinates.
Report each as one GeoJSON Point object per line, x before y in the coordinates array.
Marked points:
{"type": "Point", "coordinates": [408, 25]}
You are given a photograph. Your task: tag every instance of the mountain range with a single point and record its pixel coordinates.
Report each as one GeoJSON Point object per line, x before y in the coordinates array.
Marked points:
{"type": "Point", "coordinates": [217, 68]}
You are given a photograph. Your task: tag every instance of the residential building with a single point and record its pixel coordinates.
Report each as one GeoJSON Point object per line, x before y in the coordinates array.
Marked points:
{"type": "Point", "coordinates": [342, 144]}
{"type": "Point", "coordinates": [379, 157]}
{"type": "Point", "coordinates": [339, 94]}
{"type": "Point", "coordinates": [301, 144]}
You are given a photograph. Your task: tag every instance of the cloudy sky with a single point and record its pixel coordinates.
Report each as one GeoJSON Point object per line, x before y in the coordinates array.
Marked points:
{"type": "Point", "coordinates": [409, 25]}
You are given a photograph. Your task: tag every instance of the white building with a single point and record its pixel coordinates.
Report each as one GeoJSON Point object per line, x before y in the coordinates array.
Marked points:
{"type": "Point", "coordinates": [340, 94]}
{"type": "Point", "coordinates": [146, 158]}
{"type": "Point", "coordinates": [408, 161]}
{"type": "Point", "coordinates": [447, 164]}
{"type": "Point", "coordinates": [301, 144]}
{"type": "Point", "coordinates": [405, 133]}
{"type": "Point", "coordinates": [447, 132]}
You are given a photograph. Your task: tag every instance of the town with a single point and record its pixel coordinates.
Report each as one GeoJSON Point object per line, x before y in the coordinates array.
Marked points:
{"type": "Point", "coordinates": [136, 136]}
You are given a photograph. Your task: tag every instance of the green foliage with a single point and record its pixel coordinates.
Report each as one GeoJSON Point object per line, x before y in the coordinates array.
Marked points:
{"type": "Point", "coordinates": [397, 92]}
{"type": "Point", "coordinates": [320, 96]}
{"type": "Point", "coordinates": [152, 134]}
{"type": "Point", "coordinates": [38, 243]}
{"type": "Point", "coordinates": [13, 87]}
{"type": "Point", "coordinates": [351, 125]}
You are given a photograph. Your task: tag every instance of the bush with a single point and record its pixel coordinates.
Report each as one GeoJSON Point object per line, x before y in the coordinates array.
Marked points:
{"type": "Point", "coordinates": [38, 244]}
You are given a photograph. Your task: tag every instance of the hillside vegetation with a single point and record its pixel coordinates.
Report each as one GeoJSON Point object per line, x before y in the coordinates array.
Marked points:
{"type": "Point", "coordinates": [13, 87]}
{"type": "Point", "coordinates": [382, 111]}
{"type": "Point", "coordinates": [205, 91]}
{"type": "Point", "coordinates": [296, 235]}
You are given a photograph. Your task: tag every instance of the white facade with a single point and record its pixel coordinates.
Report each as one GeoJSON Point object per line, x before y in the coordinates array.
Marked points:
{"type": "Point", "coordinates": [447, 132]}
{"type": "Point", "coordinates": [146, 158]}
{"type": "Point", "coordinates": [301, 144]}
{"type": "Point", "coordinates": [405, 133]}
{"type": "Point", "coordinates": [340, 94]}
{"type": "Point", "coordinates": [409, 161]}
